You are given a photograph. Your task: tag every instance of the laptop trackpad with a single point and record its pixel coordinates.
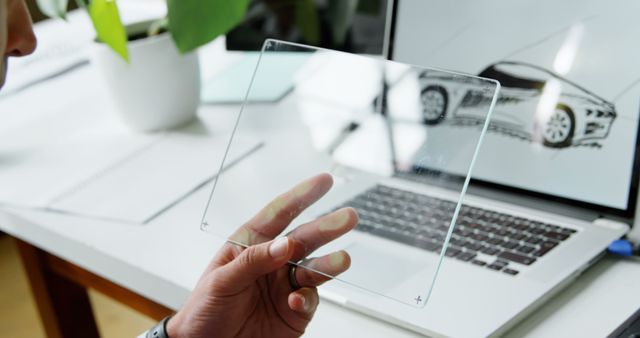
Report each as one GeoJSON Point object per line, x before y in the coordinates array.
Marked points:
{"type": "Point", "coordinates": [379, 269]}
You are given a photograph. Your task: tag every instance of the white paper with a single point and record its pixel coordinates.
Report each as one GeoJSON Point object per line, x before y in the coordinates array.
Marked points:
{"type": "Point", "coordinates": [36, 177]}
{"type": "Point", "coordinates": [154, 179]}
{"type": "Point", "coordinates": [56, 136]}
{"type": "Point", "coordinates": [63, 148]}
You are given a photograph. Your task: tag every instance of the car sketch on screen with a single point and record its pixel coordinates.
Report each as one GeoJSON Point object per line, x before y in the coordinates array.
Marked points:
{"type": "Point", "coordinates": [534, 104]}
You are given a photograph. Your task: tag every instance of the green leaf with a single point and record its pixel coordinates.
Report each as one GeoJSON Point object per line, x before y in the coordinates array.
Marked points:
{"type": "Point", "coordinates": [109, 28]}
{"type": "Point", "coordinates": [307, 21]}
{"type": "Point", "coordinates": [53, 8]}
{"type": "Point", "coordinates": [193, 23]}
{"type": "Point", "coordinates": [341, 16]}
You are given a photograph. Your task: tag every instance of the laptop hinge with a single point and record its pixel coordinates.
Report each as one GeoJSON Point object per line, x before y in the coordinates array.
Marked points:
{"type": "Point", "coordinates": [611, 224]}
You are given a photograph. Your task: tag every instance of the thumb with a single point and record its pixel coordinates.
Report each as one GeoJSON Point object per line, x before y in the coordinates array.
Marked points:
{"type": "Point", "coordinates": [257, 261]}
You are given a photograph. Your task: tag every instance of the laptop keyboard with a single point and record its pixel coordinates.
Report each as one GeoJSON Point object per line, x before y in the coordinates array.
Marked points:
{"type": "Point", "coordinates": [484, 238]}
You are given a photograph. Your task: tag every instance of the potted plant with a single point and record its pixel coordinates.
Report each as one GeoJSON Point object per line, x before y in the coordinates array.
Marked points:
{"type": "Point", "coordinates": [150, 67]}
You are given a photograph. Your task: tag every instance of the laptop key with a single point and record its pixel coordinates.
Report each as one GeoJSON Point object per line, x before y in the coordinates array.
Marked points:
{"type": "Point", "coordinates": [495, 266]}
{"type": "Point", "coordinates": [556, 235]}
{"type": "Point", "coordinates": [471, 225]}
{"type": "Point", "coordinates": [392, 235]}
{"type": "Point", "coordinates": [538, 224]}
{"type": "Point", "coordinates": [426, 232]}
{"type": "Point", "coordinates": [494, 240]}
{"type": "Point", "coordinates": [537, 231]}
{"type": "Point", "coordinates": [517, 258]}
{"type": "Point", "coordinates": [501, 262]}
{"type": "Point", "coordinates": [502, 232]}
{"type": "Point", "coordinates": [552, 227]}
{"type": "Point", "coordinates": [474, 246]}
{"type": "Point", "coordinates": [511, 272]}
{"type": "Point", "coordinates": [452, 252]}
{"type": "Point", "coordinates": [525, 249]}
{"type": "Point", "coordinates": [429, 245]}
{"type": "Point", "coordinates": [365, 226]}
{"type": "Point", "coordinates": [491, 251]}
{"type": "Point", "coordinates": [510, 245]}
{"type": "Point", "coordinates": [549, 244]}
{"type": "Point", "coordinates": [466, 256]}
{"type": "Point", "coordinates": [518, 236]}
{"type": "Point", "coordinates": [464, 233]}
{"type": "Point", "coordinates": [520, 227]}
{"type": "Point", "coordinates": [544, 248]}
{"type": "Point", "coordinates": [567, 231]}
{"type": "Point", "coordinates": [484, 230]}
{"type": "Point", "coordinates": [455, 240]}
{"type": "Point", "coordinates": [478, 262]}
{"type": "Point", "coordinates": [533, 240]}
{"type": "Point", "coordinates": [492, 229]}
{"type": "Point", "coordinates": [438, 236]}
{"type": "Point", "coordinates": [479, 237]}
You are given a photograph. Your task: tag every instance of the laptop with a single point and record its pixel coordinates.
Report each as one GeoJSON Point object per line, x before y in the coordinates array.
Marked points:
{"type": "Point", "coordinates": [543, 206]}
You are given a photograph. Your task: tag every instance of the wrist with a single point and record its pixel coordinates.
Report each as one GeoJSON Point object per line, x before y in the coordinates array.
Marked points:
{"type": "Point", "coordinates": [173, 326]}
{"type": "Point", "coordinates": [159, 330]}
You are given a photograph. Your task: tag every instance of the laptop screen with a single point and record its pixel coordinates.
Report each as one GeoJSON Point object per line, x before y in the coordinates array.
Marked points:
{"type": "Point", "coordinates": [566, 122]}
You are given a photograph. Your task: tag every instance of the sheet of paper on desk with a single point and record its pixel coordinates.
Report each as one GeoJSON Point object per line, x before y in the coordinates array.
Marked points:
{"type": "Point", "coordinates": [33, 174]}
{"type": "Point", "coordinates": [154, 179]}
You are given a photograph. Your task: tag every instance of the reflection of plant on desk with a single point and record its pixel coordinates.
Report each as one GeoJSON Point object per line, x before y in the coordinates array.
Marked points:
{"type": "Point", "coordinates": [192, 23]}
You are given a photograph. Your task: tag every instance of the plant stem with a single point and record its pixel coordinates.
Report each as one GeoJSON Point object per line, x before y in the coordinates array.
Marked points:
{"type": "Point", "coordinates": [82, 4]}
{"type": "Point", "coordinates": [158, 26]}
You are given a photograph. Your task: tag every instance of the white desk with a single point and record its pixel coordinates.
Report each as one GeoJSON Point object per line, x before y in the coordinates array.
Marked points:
{"type": "Point", "coordinates": [163, 259]}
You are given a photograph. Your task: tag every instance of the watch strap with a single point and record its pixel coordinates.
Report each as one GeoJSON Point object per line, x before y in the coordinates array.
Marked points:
{"type": "Point", "coordinates": [159, 330]}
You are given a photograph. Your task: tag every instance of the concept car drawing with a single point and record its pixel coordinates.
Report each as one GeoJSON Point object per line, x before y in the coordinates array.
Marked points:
{"type": "Point", "coordinates": [534, 104]}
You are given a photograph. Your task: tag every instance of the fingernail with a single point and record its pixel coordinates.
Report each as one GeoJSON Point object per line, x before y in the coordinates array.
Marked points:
{"type": "Point", "coordinates": [306, 306]}
{"type": "Point", "coordinates": [303, 300]}
{"type": "Point", "coordinates": [334, 222]}
{"type": "Point", "coordinates": [279, 248]}
{"type": "Point", "coordinates": [336, 259]}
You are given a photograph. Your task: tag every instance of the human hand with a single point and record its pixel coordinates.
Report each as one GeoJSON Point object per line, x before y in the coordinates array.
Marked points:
{"type": "Point", "coordinates": [245, 292]}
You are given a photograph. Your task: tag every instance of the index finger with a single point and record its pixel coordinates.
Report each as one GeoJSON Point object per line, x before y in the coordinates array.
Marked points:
{"type": "Point", "coordinates": [279, 213]}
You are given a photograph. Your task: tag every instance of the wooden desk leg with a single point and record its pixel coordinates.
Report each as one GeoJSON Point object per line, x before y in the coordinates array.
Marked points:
{"type": "Point", "coordinates": [64, 305]}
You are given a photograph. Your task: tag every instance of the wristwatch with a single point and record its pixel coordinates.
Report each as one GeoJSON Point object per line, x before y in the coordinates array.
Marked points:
{"type": "Point", "coordinates": [159, 330]}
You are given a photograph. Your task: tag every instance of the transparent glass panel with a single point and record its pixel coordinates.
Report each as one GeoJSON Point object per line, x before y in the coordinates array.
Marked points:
{"type": "Point", "coordinates": [399, 142]}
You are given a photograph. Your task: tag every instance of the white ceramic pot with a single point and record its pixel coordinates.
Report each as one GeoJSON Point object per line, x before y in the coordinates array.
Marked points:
{"type": "Point", "coordinates": [158, 89]}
